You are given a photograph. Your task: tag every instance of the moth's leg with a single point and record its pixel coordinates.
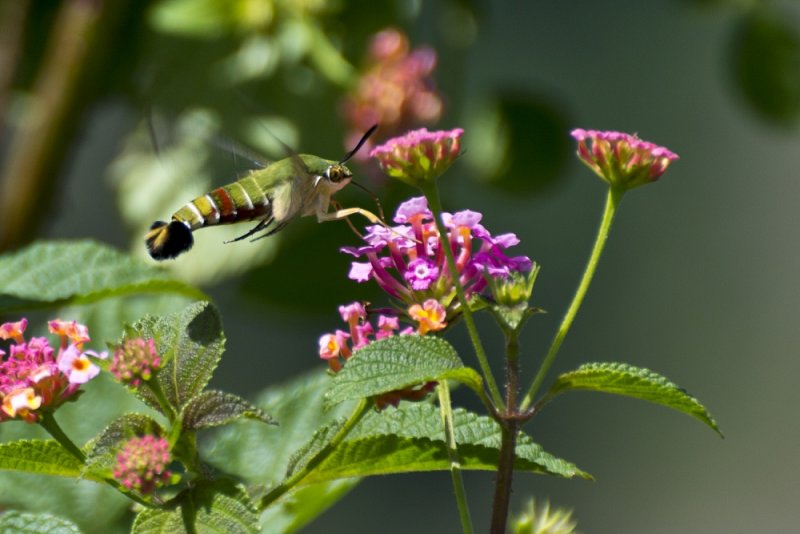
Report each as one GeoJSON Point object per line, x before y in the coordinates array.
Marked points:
{"type": "Point", "coordinates": [260, 226]}
{"type": "Point", "coordinates": [337, 207]}
{"type": "Point", "coordinates": [278, 228]}
{"type": "Point", "coordinates": [347, 212]}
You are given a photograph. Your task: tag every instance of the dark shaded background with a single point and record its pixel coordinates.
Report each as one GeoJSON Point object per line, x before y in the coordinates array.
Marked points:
{"type": "Point", "coordinates": [699, 277]}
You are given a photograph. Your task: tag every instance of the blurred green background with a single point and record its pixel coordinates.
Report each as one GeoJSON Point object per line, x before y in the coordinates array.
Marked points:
{"type": "Point", "coordinates": [699, 279]}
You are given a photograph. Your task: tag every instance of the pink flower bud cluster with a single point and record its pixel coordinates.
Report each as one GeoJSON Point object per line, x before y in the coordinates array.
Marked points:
{"type": "Point", "coordinates": [142, 464]}
{"type": "Point", "coordinates": [135, 361]}
{"type": "Point", "coordinates": [621, 159]}
{"type": "Point", "coordinates": [419, 156]}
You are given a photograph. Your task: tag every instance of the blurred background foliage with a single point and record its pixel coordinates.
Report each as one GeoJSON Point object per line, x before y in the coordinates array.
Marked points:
{"type": "Point", "coordinates": [114, 114]}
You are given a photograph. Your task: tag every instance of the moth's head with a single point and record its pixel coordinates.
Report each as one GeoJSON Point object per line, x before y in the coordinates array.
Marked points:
{"type": "Point", "coordinates": [338, 174]}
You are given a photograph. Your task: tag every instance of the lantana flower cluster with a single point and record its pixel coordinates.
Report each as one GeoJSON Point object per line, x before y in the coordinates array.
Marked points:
{"type": "Point", "coordinates": [623, 160]}
{"type": "Point", "coordinates": [142, 464]}
{"type": "Point", "coordinates": [135, 361]}
{"type": "Point", "coordinates": [35, 377]}
{"type": "Point", "coordinates": [408, 260]}
{"type": "Point", "coordinates": [419, 156]}
{"type": "Point", "coordinates": [395, 90]}
{"type": "Point", "coordinates": [337, 347]}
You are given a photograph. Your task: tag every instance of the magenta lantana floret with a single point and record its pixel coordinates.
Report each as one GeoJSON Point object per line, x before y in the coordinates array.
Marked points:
{"type": "Point", "coordinates": [35, 377]}
{"type": "Point", "coordinates": [142, 464]}
{"type": "Point", "coordinates": [622, 160]}
{"type": "Point", "coordinates": [409, 263]}
{"type": "Point", "coordinates": [419, 156]}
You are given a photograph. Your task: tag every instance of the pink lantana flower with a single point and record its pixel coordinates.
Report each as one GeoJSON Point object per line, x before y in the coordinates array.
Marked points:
{"type": "Point", "coordinates": [36, 377]}
{"type": "Point", "coordinates": [408, 260]}
{"type": "Point", "coordinates": [142, 464]}
{"type": "Point", "coordinates": [135, 361]}
{"type": "Point", "coordinates": [395, 88]}
{"type": "Point", "coordinates": [419, 156]}
{"type": "Point", "coordinates": [622, 160]}
{"type": "Point", "coordinates": [337, 347]}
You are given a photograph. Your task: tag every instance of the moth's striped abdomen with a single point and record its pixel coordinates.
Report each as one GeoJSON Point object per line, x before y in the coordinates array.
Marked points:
{"type": "Point", "coordinates": [239, 201]}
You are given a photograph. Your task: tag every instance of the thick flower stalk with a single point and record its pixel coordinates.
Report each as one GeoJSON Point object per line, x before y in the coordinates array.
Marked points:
{"type": "Point", "coordinates": [419, 156]}
{"type": "Point", "coordinates": [142, 464]}
{"type": "Point", "coordinates": [408, 261]}
{"type": "Point", "coordinates": [623, 160]}
{"type": "Point", "coordinates": [395, 90]}
{"type": "Point", "coordinates": [36, 378]}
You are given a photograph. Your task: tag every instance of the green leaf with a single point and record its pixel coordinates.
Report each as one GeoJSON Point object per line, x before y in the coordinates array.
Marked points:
{"type": "Point", "coordinates": [190, 343]}
{"type": "Point", "coordinates": [260, 454]}
{"type": "Point", "coordinates": [630, 381]}
{"type": "Point", "coordinates": [215, 408]}
{"type": "Point", "coordinates": [410, 438]}
{"type": "Point", "coordinates": [56, 273]}
{"type": "Point", "coordinates": [398, 362]}
{"type": "Point", "coordinates": [45, 457]}
{"type": "Point", "coordinates": [40, 523]}
{"type": "Point", "coordinates": [209, 506]}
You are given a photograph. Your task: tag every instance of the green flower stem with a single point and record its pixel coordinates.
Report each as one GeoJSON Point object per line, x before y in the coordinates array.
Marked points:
{"type": "Point", "coordinates": [359, 412]}
{"type": "Point", "coordinates": [446, 409]}
{"type": "Point", "coordinates": [161, 397]}
{"type": "Point", "coordinates": [49, 423]}
{"type": "Point", "coordinates": [431, 191]}
{"type": "Point", "coordinates": [612, 201]}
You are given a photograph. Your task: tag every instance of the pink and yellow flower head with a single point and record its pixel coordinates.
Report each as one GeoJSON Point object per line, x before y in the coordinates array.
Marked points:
{"type": "Point", "coordinates": [142, 464]}
{"type": "Point", "coordinates": [35, 376]}
{"type": "Point", "coordinates": [135, 361]}
{"type": "Point", "coordinates": [419, 156]}
{"type": "Point", "coordinates": [337, 347]}
{"type": "Point", "coordinates": [622, 160]}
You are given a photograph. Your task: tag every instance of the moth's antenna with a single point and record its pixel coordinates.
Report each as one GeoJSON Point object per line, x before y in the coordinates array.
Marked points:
{"type": "Point", "coordinates": [363, 140]}
{"type": "Point", "coordinates": [374, 199]}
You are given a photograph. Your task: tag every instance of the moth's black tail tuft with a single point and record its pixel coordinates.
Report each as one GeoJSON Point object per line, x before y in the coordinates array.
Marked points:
{"type": "Point", "coordinates": [165, 241]}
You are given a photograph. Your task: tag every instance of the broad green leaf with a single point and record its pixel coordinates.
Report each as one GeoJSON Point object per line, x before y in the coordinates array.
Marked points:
{"type": "Point", "coordinates": [398, 362]}
{"type": "Point", "coordinates": [215, 408]}
{"type": "Point", "coordinates": [190, 343]}
{"type": "Point", "coordinates": [45, 457]}
{"type": "Point", "coordinates": [57, 273]}
{"type": "Point", "coordinates": [209, 506]}
{"type": "Point", "coordinates": [636, 382]}
{"type": "Point", "coordinates": [410, 438]}
{"type": "Point", "coordinates": [102, 449]}
{"type": "Point", "coordinates": [261, 454]}
{"type": "Point", "coordinates": [39, 523]}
